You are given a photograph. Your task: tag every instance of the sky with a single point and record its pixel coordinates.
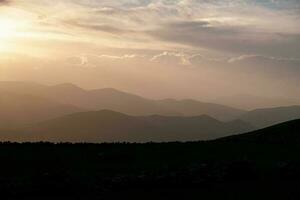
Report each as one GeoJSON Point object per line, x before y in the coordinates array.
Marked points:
{"type": "Point", "coordinates": [202, 49]}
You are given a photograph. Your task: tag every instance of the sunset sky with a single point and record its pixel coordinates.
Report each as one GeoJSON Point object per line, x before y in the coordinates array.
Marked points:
{"type": "Point", "coordinates": [200, 49]}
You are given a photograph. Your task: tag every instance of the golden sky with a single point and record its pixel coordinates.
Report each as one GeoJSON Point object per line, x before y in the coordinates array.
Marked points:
{"type": "Point", "coordinates": [157, 48]}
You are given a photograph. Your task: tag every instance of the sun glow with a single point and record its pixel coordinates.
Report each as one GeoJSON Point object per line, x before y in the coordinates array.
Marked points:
{"type": "Point", "coordinates": [7, 31]}
{"type": "Point", "coordinates": [8, 28]}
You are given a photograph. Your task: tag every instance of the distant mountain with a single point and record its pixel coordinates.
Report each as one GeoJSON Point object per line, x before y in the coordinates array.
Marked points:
{"type": "Point", "coordinates": [284, 133]}
{"type": "Point", "coordinates": [191, 107]}
{"type": "Point", "coordinates": [261, 118]}
{"type": "Point", "coordinates": [123, 102]}
{"type": "Point", "coordinates": [110, 126]}
{"type": "Point", "coordinates": [17, 109]}
{"type": "Point", "coordinates": [250, 102]}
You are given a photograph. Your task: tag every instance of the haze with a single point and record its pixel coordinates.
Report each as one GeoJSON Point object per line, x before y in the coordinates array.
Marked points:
{"type": "Point", "coordinates": [218, 51]}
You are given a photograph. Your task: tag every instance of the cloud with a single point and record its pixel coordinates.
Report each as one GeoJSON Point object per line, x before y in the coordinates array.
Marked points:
{"type": "Point", "coordinates": [228, 38]}
{"type": "Point", "coordinates": [186, 59]}
{"type": "Point", "coordinates": [126, 56]}
{"type": "Point", "coordinates": [94, 60]}
{"type": "Point", "coordinates": [97, 27]}
{"type": "Point", "coordinates": [226, 26]}
{"type": "Point", "coordinates": [171, 58]}
{"type": "Point", "coordinates": [4, 1]}
{"type": "Point", "coordinates": [210, 34]}
{"type": "Point", "coordinates": [261, 58]}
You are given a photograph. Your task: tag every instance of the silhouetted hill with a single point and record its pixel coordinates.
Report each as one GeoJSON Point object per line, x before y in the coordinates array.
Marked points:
{"type": "Point", "coordinates": [270, 116]}
{"type": "Point", "coordinates": [17, 109]}
{"type": "Point", "coordinates": [284, 133]}
{"type": "Point", "coordinates": [110, 126]}
{"type": "Point", "coordinates": [264, 164]}
{"type": "Point", "coordinates": [119, 101]}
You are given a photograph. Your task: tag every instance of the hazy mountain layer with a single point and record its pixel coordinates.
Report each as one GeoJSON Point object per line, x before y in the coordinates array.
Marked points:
{"type": "Point", "coordinates": [250, 102]}
{"type": "Point", "coordinates": [123, 102]}
{"type": "Point", "coordinates": [109, 126]}
{"type": "Point", "coordinates": [28, 103]}
{"type": "Point", "coordinates": [190, 107]}
{"type": "Point", "coordinates": [16, 109]}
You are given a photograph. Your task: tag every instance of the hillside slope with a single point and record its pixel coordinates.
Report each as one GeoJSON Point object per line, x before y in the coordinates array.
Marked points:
{"type": "Point", "coordinates": [284, 133]}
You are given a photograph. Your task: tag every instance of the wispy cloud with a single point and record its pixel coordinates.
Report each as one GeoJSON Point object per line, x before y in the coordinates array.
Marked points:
{"type": "Point", "coordinates": [241, 27]}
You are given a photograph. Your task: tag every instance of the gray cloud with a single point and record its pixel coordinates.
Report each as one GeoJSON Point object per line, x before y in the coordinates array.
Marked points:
{"type": "Point", "coordinates": [229, 38]}
{"type": "Point", "coordinates": [239, 27]}
{"type": "Point", "coordinates": [4, 2]}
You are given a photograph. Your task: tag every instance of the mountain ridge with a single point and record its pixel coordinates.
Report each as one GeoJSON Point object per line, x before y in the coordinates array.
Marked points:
{"type": "Point", "coordinates": [111, 126]}
{"type": "Point", "coordinates": [113, 99]}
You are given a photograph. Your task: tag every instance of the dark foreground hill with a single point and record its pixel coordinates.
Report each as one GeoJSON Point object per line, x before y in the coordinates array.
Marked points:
{"type": "Point", "coordinates": [239, 167]}
{"type": "Point", "coordinates": [110, 126]}
{"type": "Point", "coordinates": [284, 133]}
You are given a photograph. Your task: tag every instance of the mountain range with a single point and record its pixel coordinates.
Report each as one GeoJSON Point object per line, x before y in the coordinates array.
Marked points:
{"type": "Point", "coordinates": [119, 101]}
{"type": "Point", "coordinates": [66, 112]}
